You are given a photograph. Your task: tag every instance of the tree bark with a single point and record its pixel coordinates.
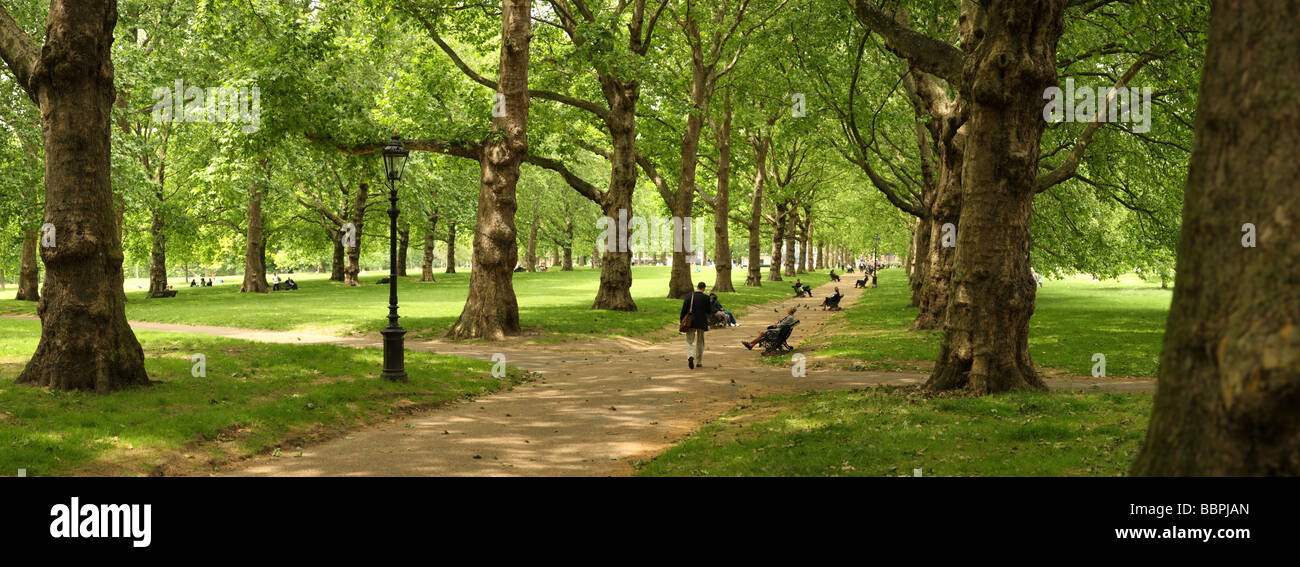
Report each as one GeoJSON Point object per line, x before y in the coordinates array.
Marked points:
{"type": "Point", "coordinates": [86, 343]}
{"type": "Point", "coordinates": [986, 332]}
{"type": "Point", "coordinates": [722, 200]}
{"type": "Point", "coordinates": [754, 277]}
{"type": "Point", "coordinates": [451, 248]}
{"type": "Point", "coordinates": [158, 254]}
{"type": "Point", "coordinates": [352, 263]}
{"type": "Point", "coordinates": [778, 240]}
{"type": "Point", "coordinates": [1228, 398]}
{"type": "Point", "coordinates": [254, 254]}
{"type": "Point", "coordinates": [29, 272]}
{"type": "Point", "coordinates": [403, 245]}
{"type": "Point", "coordinates": [491, 309]}
{"type": "Point", "coordinates": [791, 225]}
{"type": "Point", "coordinates": [336, 263]}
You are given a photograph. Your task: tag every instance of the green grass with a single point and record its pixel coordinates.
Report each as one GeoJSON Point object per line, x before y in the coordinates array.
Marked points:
{"type": "Point", "coordinates": [552, 304]}
{"type": "Point", "coordinates": [256, 398]}
{"type": "Point", "coordinates": [1073, 319]}
{"type": "Point", "coordinates": [891, 431]}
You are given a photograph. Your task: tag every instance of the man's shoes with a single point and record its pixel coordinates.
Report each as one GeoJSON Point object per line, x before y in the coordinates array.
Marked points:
{"type": "Point", "coordinates": [747, 345]}
{"type": "Point", "coordinates": [690, 361]}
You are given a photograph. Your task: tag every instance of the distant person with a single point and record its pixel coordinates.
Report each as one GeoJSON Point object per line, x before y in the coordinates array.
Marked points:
{"type": "Point", "coordinates": [194, 283]}
{"type": "Point", "coordinates": [697, 304]}
{"type": "Point", "coordinates": [834, 277]}
{"type": "Point", "coordinates": [291, 285]}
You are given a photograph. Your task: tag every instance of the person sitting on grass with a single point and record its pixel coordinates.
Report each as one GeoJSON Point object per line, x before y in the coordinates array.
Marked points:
{"type": "Point", "coordinates": [785, 321]}
{"type": "Point", "coordinates": [716, 307]}
{"type": "Point", "coordinates": [289, 284]}
{"type": "Point", "coordinates": [833, 301]}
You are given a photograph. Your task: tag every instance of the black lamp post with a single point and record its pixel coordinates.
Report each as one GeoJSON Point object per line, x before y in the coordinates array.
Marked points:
{"type": "Point", "coordinates": [394, 348]}
{"type": "Point", "coordinates": [877, 258]}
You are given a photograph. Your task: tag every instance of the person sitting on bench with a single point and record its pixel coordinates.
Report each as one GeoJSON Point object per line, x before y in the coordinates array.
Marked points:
{"type": "Point", "coordinates": [718, 310]}
{"type": "Point", "coordinates": [862, 283]}
{"type": "Point", "coordinates": [801, 289]}
{"type": "Point", "coordinates": [834, 277]}
{"type": "Point", "coordinates": [784, 322]}
{"type": "Point", "coordinates": [833, 302]}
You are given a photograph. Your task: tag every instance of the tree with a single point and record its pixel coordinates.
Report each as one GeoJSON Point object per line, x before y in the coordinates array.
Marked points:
{"type": "Point", "coordinates": [86, 343]}
{"type": "Point", "coordinates": [1229, 387]}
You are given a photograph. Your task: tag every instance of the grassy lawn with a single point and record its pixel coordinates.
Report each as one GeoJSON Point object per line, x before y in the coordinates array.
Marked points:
{"type": "Point", "coordinates": [1073, 319]}
{"type": "Point", "coordinates": [891, 431]}
{"type": "Point", "coordinates": [552, 304]}
{"type": "Point", "coordinates": [256, 398]}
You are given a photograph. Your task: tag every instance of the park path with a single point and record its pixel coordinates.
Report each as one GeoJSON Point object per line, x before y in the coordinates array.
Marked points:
{"type": "Point", "coordinates": [596, 408]}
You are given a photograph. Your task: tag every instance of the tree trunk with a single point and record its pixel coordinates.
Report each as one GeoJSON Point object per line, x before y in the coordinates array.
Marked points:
{"type": "Point", "coordinates": [918, 260]}
{"type": "Point", "coordinates": [29, 272]}
{"type": "Point", "coordinates": [352, 264]}
{"type": "Point", "coordinates": [403, 244]}
{"type": "Point", "coordinates": [791, 225]}
{"type": "Point", "coordinates": [615, 291]}
{"type": "Point", "coordinates": [491, 309]}
{"type": "Point", "coordinates": [451, 248]}
{"type": "Point", "coordinates": [86, 343]}
{"type": "Point", "coordinates": [755, 275]}
{"type": "Point", "coordinates": [986, 332]}
{"type": "Point", "coordinates": [778, 240]}
{"type": "Point", "coordinates": [426, 267]}
{"type": "Point", "coordinates": [158, 254]}
{"type": "Point", "coordinates": [805, 237]}
{"type": "Point", "coordinates": [722, 201]}
{"type": "Point", "coordinates": [566, 251]}
{"type": "Point", "coordinates": [254, 255]}
{"type": "Point", "coordinates": [1228, 402]}
{"type": "Point", "coordinates": [336, 263]}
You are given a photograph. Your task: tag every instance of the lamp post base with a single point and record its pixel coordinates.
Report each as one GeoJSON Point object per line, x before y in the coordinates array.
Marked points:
{"type": "Point", "coordinates": [394, 354]}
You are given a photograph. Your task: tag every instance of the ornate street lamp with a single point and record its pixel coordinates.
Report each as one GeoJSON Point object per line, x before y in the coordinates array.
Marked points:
{"type": "Point", "coordinates": [876, 260]}
{"type": "Point", "coordinates": [394, 347]}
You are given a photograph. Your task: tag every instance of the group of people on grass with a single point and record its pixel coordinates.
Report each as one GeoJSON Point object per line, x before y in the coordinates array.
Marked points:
{"type": "Point", "coordinates": [287, 285]}
{"type": "Point", "coordinates": [201, 282]}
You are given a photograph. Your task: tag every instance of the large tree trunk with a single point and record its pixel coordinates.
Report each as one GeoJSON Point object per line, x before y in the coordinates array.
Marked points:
{"type": "Point", "coordinates": [755, 275]}
{"type": "Point", "coordinates": [86, 343]}
{"type": "Point", "coordinates": [426, 266]}
{"type": "Point", "coordinates": [722, 201]}
{"type": "Point", "coordinates": [918, 259]}
{"type": "Point", "coordinates": [158, 254]}
{"type": "Point", "coordinates": [254, 253]}
{"type": "Point", "coordinates": [778, 240]}
{"type": "Point", "coordinates": [986, 340]}
{"type": "Point", "coordinates": [1228, 401]}
{"type": "Point", "coordinates": [451, 249]}
{"type": "Point", "coordinates": [352, 264]}
{"type": "Point", "coordinates": [403, 244]}
{"type": "Point", "coordinates": [566, 251]}
{"type": "Point", "coordinates": [336, 263]}
{"type": "Point", "coordinates": [791, 226]}
{"type": "Point", "coordinates": [491, 309]}
{"type": "Point", "coordinates": [29, 271]}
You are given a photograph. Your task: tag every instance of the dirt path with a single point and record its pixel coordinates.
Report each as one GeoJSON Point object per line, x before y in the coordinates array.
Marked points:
{"type": "Point", "coordinates": [598, 407]}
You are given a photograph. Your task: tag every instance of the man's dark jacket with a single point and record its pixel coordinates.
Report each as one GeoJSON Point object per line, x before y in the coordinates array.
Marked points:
{"type": "Point", "coordinates": [700, 317]}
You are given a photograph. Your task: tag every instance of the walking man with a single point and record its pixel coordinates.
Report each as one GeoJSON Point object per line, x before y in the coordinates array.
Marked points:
{"type": "Point", "coordinates": [697, 304]}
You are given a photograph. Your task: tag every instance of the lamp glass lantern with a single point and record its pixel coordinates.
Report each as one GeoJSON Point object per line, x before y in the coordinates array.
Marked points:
{"type": "Point", "coordinates": [395, 158]}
